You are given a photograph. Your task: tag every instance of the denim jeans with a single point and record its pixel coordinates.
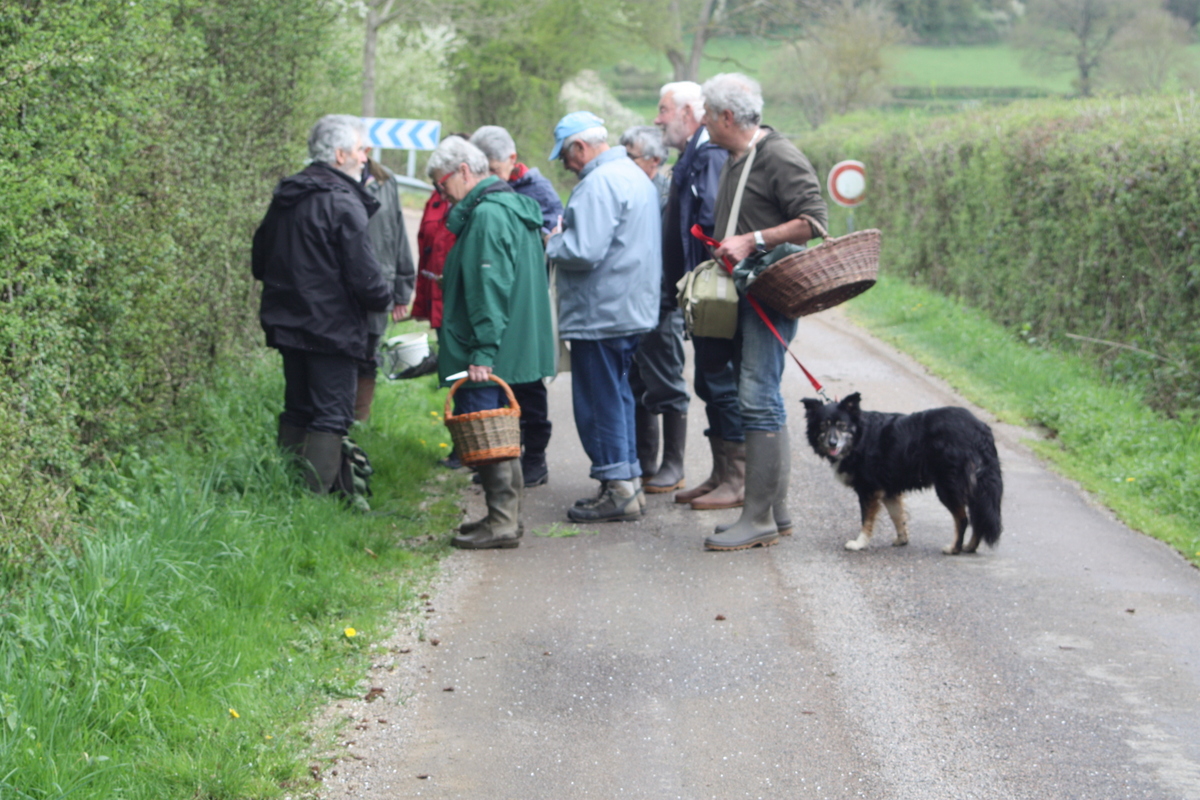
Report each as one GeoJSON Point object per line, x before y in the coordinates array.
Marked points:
{"type": "Point", "coordinates": [604, 406]}
{"type": "Point", "coordinates": [716, 384]}
{"type": "Point", "coordinates": [759, 359]}
{"type": "Point", "coordinates": [656, 376]}
{"type": "Point", "coordinates": [483, 398]}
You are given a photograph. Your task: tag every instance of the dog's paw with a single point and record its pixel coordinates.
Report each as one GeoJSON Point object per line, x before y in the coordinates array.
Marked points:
{"type": "Point", "coordinates": [951, 550]}
{"type": "Point", "coordinates": [858, 544]}
{"type": "Point", "coordinates": [900, 541]}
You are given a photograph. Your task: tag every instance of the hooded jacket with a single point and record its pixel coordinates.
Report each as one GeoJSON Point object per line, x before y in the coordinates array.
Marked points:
{"type": "Point", "coordinates": [314, 257]}
{"type": "Point", "coordinates": [532, 183]}
{"type": "Point", "coordinates": [494, 290]}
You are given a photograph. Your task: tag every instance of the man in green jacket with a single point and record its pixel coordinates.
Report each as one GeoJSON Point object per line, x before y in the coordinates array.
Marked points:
{"type": "Point", "coordinates": [496, 314]}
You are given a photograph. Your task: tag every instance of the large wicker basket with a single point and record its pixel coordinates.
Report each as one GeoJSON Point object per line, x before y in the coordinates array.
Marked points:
{"type": "Point", "coordinates": [485, 437]}
{"type": "Point", "coordinates": [822, 276]}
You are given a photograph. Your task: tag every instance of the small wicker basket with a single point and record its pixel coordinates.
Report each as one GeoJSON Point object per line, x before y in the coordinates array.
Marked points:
{"type": "Point", "coordinates": [822, 276]}
{"type": "Point", "coordinates": [485, 437]}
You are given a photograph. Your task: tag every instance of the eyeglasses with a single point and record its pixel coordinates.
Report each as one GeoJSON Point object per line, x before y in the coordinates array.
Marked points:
{"type": "Point", "coordinates": [441, 182]}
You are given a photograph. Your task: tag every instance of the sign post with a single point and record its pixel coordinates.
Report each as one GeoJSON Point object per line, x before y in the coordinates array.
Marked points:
{"type": "Point", "coordinates": [847, 184]}
{"type": "Point", "coordinates": [404, 134]}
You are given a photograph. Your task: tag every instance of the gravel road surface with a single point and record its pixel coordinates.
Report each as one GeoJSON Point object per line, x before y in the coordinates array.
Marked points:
{"type": "Point", "coordinates": [627, 662]}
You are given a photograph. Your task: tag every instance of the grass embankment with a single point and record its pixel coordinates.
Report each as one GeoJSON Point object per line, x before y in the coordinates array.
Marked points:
{"type": "Point", "coordinates": [1144, 466]}
{"type": "Point", "coordinates": [180, 648]}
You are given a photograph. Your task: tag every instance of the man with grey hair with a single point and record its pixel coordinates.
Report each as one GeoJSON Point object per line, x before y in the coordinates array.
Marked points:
{"type": "Point", "coordinates": [781, 204]}
{"type": "Point", "coordinates": [501, 151]}
{"type": "Point", "coordinates": [609, 267]}
{"type": "Point", "coordinates": [320, 279]}
{"type": "Point", "coordinates": [644, 144]}
{"type": "Point", "coordinates": [496, 314]}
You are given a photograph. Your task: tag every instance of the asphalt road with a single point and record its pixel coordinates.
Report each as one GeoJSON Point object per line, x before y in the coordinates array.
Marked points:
{"type": "Point", "coordinates": [627, 662]}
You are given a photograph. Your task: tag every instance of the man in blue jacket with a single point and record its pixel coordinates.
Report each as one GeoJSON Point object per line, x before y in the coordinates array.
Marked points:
{"type": "Point", "coordinates": [320, 278]}
{"type": "Point", "coordinates": [609, 261]}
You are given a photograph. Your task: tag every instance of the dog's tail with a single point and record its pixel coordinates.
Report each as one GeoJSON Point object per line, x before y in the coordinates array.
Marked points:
{"type": "Point", "coordinates": [984, 503]}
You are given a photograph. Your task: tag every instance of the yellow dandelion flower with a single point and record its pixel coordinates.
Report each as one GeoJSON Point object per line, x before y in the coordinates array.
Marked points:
{"type": "Point", "coordinates": [422, 441]}
{"type": "Point", "coordinates": [442, 444]}
{"type": "Point", "coordinates": [1130, 480]}
{"type": "Point", "coordinates": [350, 633]}
{"type": "Point", "coordinates": [233, 713]}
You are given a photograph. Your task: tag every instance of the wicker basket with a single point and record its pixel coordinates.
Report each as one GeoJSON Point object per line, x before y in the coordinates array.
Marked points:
{"type": "Point", "coordinates": [485, 437]}
{"type": "Point", "coordinates": [820, 277]}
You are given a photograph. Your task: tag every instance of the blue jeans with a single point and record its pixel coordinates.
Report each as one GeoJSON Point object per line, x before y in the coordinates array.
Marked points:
{"type": "Point", "coordinates": [759, 359]}
{"type": "Point", "coordinates": [484, 398]}
{"type": "Point", "coordinates": [604, 407]}
{"type": "Point", "coordinates": [716, 384]}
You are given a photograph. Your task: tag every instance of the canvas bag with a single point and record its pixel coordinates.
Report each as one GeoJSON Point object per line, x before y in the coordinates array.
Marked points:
{"type": "Point", "coordinates": [707, 295]}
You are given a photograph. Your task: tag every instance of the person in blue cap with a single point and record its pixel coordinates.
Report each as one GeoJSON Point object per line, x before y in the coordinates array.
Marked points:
{"type": "Point", "coordinates": [608, 259]}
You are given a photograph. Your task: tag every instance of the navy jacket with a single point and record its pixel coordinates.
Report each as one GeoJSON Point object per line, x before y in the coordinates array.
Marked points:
{"type": "Point", "coordinates": [314, 257]}
{"type": "Point", "coordinates": [534, 184]}
{"type": "Point", "coordinates": [696, 177]}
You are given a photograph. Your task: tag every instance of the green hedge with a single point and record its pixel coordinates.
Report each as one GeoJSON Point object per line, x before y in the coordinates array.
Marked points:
{"type": "Point", "coordinates": [138, 143]}
{"type": "Point", "coordinates": [1059, 219]}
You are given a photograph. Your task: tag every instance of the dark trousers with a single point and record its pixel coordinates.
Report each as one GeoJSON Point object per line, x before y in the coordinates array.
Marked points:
{"type": "Point", "coordinates": [656, 375]}
{"type": "Point", "coordinates": [319, 390]}
{"type": "Point", "coordinates": [369, 367]}
{"type": "Point", "coordinates": [717, 385]}
{"type": "Point", "coordinates": [535, 418]}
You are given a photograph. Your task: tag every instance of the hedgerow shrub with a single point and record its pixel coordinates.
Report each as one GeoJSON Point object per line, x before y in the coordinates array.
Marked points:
{"type": "Point", "coordinates": [1060, 219]}
{"type": "Point", "coordinates": [138, 144]}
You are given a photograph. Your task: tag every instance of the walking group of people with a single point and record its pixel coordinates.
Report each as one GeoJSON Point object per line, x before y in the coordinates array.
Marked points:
{"type": "Point", "coordinates": [506, 274]}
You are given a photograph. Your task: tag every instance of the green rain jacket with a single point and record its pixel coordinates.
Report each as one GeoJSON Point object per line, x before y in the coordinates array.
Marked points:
{"type": "Point", "coordinates": [496, 299]}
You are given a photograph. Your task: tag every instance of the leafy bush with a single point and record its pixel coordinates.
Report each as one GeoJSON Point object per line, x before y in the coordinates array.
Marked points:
{"type": "Point", "coordinates": [1059, 219]}
{"type": "Point", "coordinates": [138, 143]}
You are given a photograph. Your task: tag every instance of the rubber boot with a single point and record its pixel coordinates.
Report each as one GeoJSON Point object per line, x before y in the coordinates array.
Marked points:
{"type": "Point", "coordinates": [290, 439]}
{"type": "Point", "coordinates": [718, 471]}
{"type": "Point", "coordinates": [503, 486]}
{"type": "Point", "coordinates": [756, 527]}
{"type": "Point", "coordinates": [646, 427]}
{"type": "Point", "coordinates": [670, 472]}
{"type": "Point", "coordinates": [779, 510]}
{"type": "Point", "coordinates": [731, 491]}
{"type": "Point", "coordinates": [324, 454]}
{"type": "Point", "coordinates": [363, 398]}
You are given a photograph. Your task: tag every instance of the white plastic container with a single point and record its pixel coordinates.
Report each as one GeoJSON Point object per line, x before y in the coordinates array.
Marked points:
{"type": "Point", "coordinates": [404, 351]}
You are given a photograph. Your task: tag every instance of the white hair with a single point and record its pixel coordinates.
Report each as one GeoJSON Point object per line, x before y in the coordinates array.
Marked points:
{"type": "Point", "coordinates": [593, 136]}
{"type": "Point", "coordinates": [453, 152]}
{"type": "Point", "coordinates": [334, 132]}
{"type": "Point", "coordinates": [733, 91]}
{"type": "Point", "coordinates": [495, 142]}
{"type": "Point", "coordinates": [686, 93]}
{"type": "Point", "coordinates": [648, 139]}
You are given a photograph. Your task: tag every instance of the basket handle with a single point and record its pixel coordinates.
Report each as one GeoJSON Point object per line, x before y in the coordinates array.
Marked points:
{"type": "Point", "coordinates": [512, 399]}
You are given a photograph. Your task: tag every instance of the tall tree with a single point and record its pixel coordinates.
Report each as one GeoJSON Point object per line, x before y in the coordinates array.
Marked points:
{"type": "Point", "coordinates": [1079, 33]}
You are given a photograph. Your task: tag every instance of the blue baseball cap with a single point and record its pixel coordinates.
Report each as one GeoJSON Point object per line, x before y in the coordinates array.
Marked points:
{"type": "Point", "coordinates": [571, 124]}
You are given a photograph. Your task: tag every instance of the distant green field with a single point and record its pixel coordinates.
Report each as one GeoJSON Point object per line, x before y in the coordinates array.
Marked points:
{"type": "Point", "coordinates": [992, 65]}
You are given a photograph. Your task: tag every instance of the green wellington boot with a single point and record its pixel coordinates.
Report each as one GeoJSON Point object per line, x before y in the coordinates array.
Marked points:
{"type": "Point", "coordinates": [756, 527]}
{"type": "Point", "coordinates": [670, 473]}
{"type": "Point", "coordinates": [503, 486]}
{"type": "Point", "coordinates": [324, 454]}
{"type": "Point", "coordinates": [779, 510]}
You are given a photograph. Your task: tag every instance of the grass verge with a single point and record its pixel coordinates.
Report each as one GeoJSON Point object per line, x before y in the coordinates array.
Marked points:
{"type": "Point", "coordinates": [1142, 465]}
{"type": "Point", "coordinates": [178, 650]}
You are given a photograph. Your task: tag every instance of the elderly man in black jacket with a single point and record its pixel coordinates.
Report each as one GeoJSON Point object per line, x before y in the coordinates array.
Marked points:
{"type": "Point", "coordinates": [320, 278]}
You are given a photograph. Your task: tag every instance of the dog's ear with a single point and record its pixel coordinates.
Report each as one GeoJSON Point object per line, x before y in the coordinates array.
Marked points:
{"type": "Point", "coordinates": [851, 404]}
{"type": "Point", "coordinates": [811, 406]}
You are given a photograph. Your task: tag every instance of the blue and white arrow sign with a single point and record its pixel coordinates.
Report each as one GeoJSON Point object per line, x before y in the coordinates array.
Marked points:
{"type": "Point", "coordinates": [403, 134]}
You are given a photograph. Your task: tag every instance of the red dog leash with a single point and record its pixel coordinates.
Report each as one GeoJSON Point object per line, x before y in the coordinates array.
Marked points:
{"type": "Point", "coordinates": [699, 233]}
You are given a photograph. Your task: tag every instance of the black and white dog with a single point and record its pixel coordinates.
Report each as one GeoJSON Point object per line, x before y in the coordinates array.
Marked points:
{"type": "Point", "coordinates": [882, 456]}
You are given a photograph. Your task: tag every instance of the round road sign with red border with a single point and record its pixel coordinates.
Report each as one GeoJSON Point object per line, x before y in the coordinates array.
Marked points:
{"type": "Point", "coordinates": [847, 183]}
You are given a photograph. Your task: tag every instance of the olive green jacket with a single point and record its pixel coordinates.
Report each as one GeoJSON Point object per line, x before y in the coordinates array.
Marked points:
{"type": "Point", "coordinates": [496, 299]}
